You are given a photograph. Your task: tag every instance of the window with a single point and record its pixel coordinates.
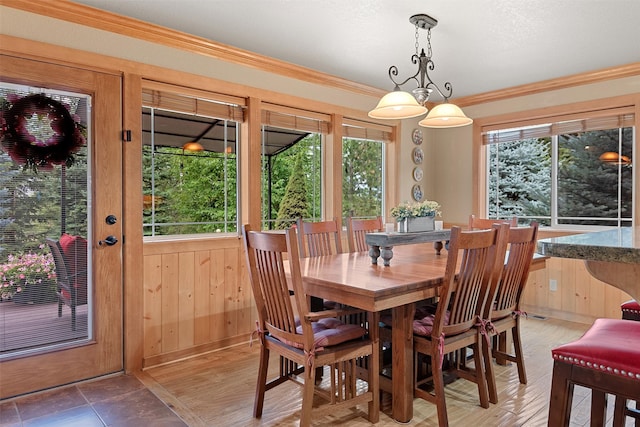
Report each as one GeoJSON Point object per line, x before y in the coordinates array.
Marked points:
{"type": "Point", "coordinates": [362, 166]}
{"type": "Point", "coordinates": [190, 167]}
{"type": "Point", "coordinates": [291, 165]}
{"type": "Point", "coordinates": [565, 172]}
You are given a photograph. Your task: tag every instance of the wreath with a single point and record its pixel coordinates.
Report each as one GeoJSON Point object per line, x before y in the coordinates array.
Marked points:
{"type": "Point", "coordinates": [48, 147]}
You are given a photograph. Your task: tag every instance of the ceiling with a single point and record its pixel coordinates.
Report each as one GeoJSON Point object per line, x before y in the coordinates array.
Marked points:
{"type": "Point", "coordinates": [478, 45]}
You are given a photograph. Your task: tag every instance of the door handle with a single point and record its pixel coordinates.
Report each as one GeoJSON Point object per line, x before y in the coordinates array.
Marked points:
{"type": "Point", "coordinates": [109, 241]}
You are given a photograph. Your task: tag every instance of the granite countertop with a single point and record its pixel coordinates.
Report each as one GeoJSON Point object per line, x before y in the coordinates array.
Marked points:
{"type": "Point", "coordinates": [617, 245]}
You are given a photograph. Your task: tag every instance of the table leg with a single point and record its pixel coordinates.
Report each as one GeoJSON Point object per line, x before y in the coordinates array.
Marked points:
{"type": "Point", "coordinates": [438, 247]}
{"type": "Point", "coordinates": [402, 362]}
{"type": "Point", "coordinates": [374, 253]}
{"type": "Point", "coordinates": [386, 252]}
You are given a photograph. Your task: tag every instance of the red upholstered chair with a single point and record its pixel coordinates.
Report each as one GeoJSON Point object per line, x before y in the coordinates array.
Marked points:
{"type": "Point", "coordinates": [605, 359]}
{"type": "Point", "coordinates": [70, 258]}
{"type": "Point", "coordinates": [630, 310]}
{"type": "Point", "coordinates": [307, 339]}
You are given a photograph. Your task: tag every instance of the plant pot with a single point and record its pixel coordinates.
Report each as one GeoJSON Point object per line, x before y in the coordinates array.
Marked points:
{"type": "Point", "coordinates": [415, 225]}
{"type": "Point", "coordinates": [35, 295]}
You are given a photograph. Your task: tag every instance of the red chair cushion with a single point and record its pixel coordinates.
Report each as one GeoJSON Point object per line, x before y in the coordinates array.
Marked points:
{"type": "Point", "coordinates": [328, 332]}
{"type": "Point", "coordinates": [610, 345]}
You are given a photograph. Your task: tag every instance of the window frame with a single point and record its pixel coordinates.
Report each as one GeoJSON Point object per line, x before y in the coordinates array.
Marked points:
{"type": "Point", "coordinates": [561, 113]}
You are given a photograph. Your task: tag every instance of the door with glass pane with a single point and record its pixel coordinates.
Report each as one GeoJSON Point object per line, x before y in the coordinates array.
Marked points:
{"type": "Point", "coordinates": [60, 225]}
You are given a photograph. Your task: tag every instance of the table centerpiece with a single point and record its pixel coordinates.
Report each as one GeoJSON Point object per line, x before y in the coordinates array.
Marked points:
{"type": "Point", "coordinates": [416, 217]}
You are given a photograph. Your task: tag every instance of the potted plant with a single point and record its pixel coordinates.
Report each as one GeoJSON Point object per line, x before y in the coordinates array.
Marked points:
{"type": "Point", "coordinates": [415, 217]}
{"type": "Point", "coordinates": [28, 278]}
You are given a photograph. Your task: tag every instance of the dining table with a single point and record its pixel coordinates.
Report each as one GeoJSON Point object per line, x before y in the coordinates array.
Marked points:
{"type": "Point", "coordinates": [611, 256]}
{"type": "Point", "coordinates": [351, 279]}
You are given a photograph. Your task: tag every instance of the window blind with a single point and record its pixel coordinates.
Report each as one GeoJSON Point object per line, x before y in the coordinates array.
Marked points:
{"type": "Point", "coordinates": [607, 119]}
{"type": "Point", "coordinates": [365, 130]}
{"type": "Point", "coordinates": [186, 103]}
{"type": "Point", "coordinates": [295, 119]}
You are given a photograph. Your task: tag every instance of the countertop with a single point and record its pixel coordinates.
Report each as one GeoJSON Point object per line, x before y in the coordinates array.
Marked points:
{"type": "Point", "coordinates": [620, 245]}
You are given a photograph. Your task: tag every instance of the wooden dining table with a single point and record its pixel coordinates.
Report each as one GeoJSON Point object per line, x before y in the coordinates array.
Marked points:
{"type": "Point", "coordinates": [415, 274]}
{"type": "Point", "coordinates": [351, 278]}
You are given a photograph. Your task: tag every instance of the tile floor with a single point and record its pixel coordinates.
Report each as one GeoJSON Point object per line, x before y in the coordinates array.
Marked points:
{"type": "Point", "coordinates": [119, 401]}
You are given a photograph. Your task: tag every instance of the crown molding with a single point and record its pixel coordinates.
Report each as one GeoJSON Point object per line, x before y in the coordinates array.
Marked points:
{"type": "Point", "coordinates": [95, 18]}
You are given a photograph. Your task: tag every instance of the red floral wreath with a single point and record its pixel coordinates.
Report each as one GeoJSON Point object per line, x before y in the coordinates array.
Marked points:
{"type": "Point", "coordinates": [24, 147]}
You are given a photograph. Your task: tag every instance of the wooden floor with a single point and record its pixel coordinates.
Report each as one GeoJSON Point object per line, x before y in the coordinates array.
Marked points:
{"type": "Point", "coordinates": [218, 389]}
{"type": "Point", "coordinates": [25, 326]}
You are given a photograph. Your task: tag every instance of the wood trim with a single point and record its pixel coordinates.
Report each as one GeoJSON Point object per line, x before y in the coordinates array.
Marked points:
{"type": "Point", "coordinates": [132, 231]}
{"type": "Point", "coordinates": [611, 73]}
{"type": "Point", "coordinates": [107, 21]}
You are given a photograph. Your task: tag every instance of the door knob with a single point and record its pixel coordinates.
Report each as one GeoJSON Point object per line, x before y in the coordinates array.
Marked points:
{"type": "Point", "coordinates": [109, 241]}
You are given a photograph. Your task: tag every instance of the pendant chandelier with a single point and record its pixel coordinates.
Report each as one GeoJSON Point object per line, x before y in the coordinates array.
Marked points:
{"type": "Point", "coordinates": [403, 105]}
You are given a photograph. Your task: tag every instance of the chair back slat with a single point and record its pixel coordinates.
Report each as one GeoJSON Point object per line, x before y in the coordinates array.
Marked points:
{"type": "Point", "coordinates": [467, 284]}
{"type": "Point", "coordinates": [319, 238]}
{"type": "Point", "coordinates": [357, 229]}
{"type": "Point", "coordinates": [62, 274]}
{"type": "Point", "coordinates": [507, 292]}
{"type": "Point", "coordinates": [266, 256]}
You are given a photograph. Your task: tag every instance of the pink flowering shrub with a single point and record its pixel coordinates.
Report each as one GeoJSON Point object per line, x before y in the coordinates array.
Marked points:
{"type": "Point", "coordinates": [27, 270]}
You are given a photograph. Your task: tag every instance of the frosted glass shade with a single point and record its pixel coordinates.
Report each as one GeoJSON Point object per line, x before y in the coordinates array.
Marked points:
{"type": "Point", "coordinates": [445, 115]}
{"type": "Point", "coordinates": [397, 105]}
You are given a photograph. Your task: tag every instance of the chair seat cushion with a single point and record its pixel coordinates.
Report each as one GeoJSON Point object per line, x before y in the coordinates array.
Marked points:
{"type": "Point", "coordinates": [331, 331]}
{"type": "Point", "coordinates": [610, 345]}
{"type": "Point", "coordinates": [422, 320]}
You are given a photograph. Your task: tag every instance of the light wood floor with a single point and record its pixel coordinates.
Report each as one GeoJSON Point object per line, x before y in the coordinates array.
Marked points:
{"type": "Point", "coordinates": [217, 389]}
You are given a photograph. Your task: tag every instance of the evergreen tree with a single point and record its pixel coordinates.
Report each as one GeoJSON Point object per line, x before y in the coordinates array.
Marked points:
{"type": "Point", "coordinates": [362, 178]}
{"type": "Point", "coordinates": [294, 202]}
{"type": "Point", "coordinates": [520, 179]}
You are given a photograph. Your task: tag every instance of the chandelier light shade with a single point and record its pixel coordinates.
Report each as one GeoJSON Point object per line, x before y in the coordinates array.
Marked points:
{"type": "Point", "coordinates": [404, 105]}
{"type": "Point", "coordinates": [395, 103]}
{"type": "Point", "coordinates": [445, 115]}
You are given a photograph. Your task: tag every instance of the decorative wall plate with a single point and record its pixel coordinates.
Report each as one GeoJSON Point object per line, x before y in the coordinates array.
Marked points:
{"type": "Point", "coordinates": [417, 173]}
{"type": "Point", "coordinates": [416, 192]}
{"type": "Point", "coordinates": [418, 155]}
{"type": "Point", "coordinates": [416, 136]}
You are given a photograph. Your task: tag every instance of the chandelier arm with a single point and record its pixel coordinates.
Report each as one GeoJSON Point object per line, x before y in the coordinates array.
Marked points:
{"type": "Point", "coordinates": [393, 71]}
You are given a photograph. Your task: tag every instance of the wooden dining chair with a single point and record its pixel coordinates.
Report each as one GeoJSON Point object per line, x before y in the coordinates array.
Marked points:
{"type": "Point", "coordinates": [457, 322]}
{"type": "Point", "coordinates": [503, 305]}
{"type": "Point", "coordinates": [307, 339]}
{"type": "Point", "coordinates": [357, 230]}
{"type": "Point", "coordinates": [476, 223]}
{"type": "Point", "coordinates": [319, 238]}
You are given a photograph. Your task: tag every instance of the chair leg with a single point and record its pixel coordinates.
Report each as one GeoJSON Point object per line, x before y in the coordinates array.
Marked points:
{"type": "Point", "coordinates": [561, 395]}
{"type": "Point", "coordinates": [619, 412]}
{"type": "Point", "coordinates": [59, 307]}
{"type": "Point", "coordinates": [73, 317]}
{"type": "Point", "coordinates": [438, 387]}
{"type": "Point", "coordinates": [488, 368]}
{"type": "Point", "coordinates": [307, 395]}
{"type": "Point", "coordinates": [517, 346]}
{"type": "Point", "coordinates": [261, 385]}
{"type": "Point", "coordinates": [598, 408]}
{"type": "Point", "coordinates": [480, 372]}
